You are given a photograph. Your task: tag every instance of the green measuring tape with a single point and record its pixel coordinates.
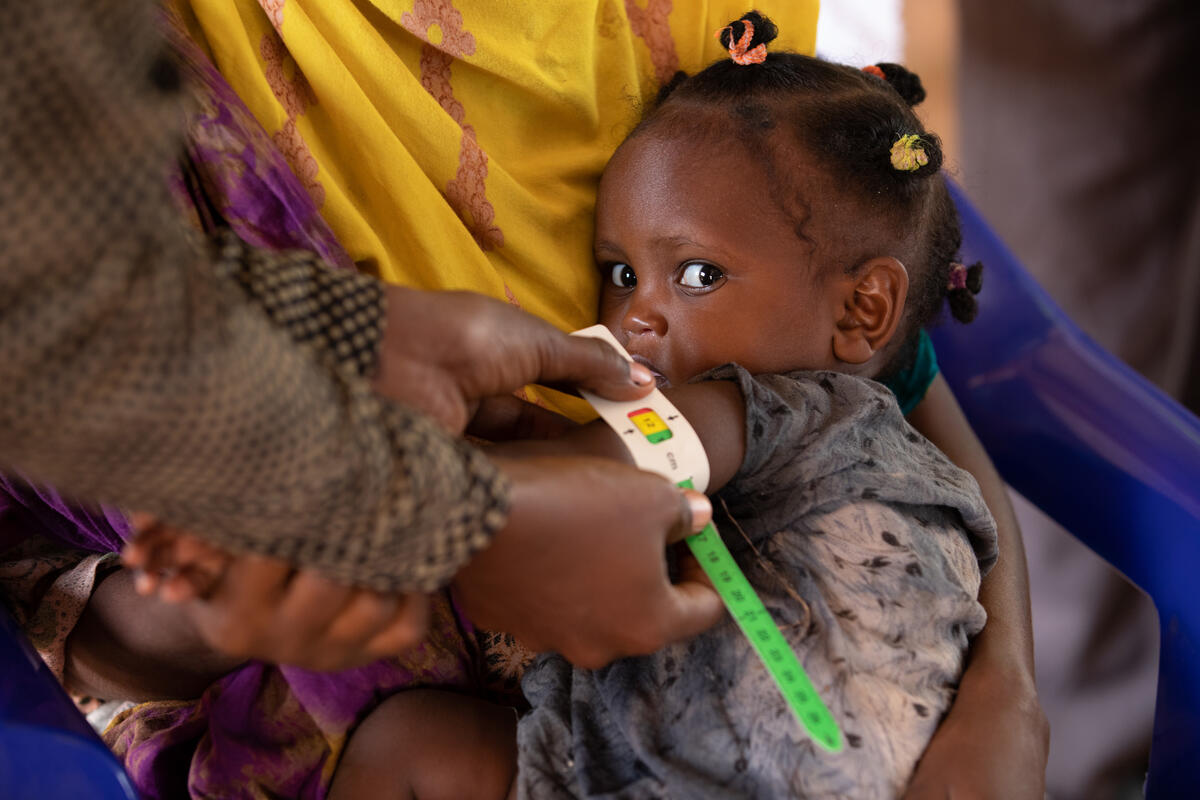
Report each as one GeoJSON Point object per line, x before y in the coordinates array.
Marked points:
{"type": "Point", "coordinates": [756, 623]}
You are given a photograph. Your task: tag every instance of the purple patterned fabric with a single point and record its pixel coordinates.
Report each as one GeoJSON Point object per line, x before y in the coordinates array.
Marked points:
{"type": "Point", "coordinates": [270, 731]}
{"type": "Point", "coordinates": [44, 511]}
{"type": "Point", "coordinates": [265, 730]}
{"type": "Point", "coordinates": [243, 173]}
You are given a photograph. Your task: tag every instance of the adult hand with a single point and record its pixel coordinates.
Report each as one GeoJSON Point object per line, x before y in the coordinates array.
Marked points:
{"type": "Point", "coordinates": [250, 606]}
{"type": "Point", "coordinates": [993, 745]}
{"type": "Point", "coordinates": [581, 567]}
{"type": "Point", "coordinates": [442, 352]}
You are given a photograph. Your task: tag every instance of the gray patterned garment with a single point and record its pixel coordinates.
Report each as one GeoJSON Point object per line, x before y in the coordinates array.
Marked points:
{"type": "Point", "coordinates": [875, 544]}
{"type": "Point", "coordinates": [141, 367]}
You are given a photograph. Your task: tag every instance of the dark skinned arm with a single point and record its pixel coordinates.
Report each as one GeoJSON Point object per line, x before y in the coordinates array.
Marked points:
{"type": "Point", "coordinates": [995, 741]}
{"type": "Point", "coordinates": [130, 647]}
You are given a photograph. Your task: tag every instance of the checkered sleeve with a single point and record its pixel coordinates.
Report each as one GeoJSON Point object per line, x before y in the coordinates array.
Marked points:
{"type": "Point", "coordinates": [135, 371]}
{"type": "Point", "coordinates": [337, 311]}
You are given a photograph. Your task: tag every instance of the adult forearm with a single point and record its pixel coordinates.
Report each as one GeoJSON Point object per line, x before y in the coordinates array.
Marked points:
{"type": "Point", "coordinates": [1007, 640]}
{"type": "Point", "coordinates": [134, 371]}
{"type": "Point", "coordinates": [995, 740]}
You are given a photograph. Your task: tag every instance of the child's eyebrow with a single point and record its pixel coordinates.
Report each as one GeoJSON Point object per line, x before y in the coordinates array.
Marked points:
{"type": "Point", "coordinates": [604, 244]}
{"type": "Point", "coordinates": [662, 242]}
{"type": "Point", "coordinates": [685, 241]}
{"type": "Point", "coordinates": [675, 241]}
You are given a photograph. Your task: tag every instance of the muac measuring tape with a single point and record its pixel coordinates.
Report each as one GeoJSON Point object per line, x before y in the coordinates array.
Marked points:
{"type": "Point", "coordinates": [662, 441]}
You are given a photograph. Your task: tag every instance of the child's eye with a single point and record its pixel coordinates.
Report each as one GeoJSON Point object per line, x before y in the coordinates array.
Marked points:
{"type": "Point", "coordinates": [623, 276]}
{"type": "Point", "coordinates": [699, 275]}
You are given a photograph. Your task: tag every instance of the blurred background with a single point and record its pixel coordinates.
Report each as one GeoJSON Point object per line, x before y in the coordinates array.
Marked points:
{"type": "Point", "coordinates": [1075, 128]}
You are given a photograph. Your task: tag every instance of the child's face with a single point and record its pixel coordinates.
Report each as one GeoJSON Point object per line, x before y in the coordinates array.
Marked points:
{"type": "Point", "coordinates": [701, 267]}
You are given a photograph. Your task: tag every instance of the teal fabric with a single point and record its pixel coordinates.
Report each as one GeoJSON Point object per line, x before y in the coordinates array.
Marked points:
{"type": "Point", "coordinates": [911, 385]}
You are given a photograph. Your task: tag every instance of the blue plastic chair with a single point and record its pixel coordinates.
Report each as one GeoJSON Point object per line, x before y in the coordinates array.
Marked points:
{"type": "Point", "coordinates": [1100, 450]}
{"type": "Point", "coordinates": [48, 750]}
{"type": "Point", "coordinates": [1075, 431]}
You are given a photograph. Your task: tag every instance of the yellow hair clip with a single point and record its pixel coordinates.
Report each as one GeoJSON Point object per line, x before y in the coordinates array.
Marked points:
{"type": "Point", "coordinates": [907, 154]}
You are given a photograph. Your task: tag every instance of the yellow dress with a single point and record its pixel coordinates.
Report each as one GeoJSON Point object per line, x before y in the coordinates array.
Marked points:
{"type": "Point", "coordinates": [457, 144]}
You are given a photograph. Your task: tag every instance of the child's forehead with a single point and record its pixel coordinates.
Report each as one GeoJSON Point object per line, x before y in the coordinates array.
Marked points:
{"type": "Point", "coordinates": [735, 177]}
{"type": "Point", "coordinates": [711, 150]}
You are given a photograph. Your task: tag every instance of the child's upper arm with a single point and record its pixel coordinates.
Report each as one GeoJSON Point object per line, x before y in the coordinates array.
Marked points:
{"type": "Point", "coordinates": [717, 411]}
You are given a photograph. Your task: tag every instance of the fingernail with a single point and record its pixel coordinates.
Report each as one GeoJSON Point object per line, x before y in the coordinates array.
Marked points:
{"type": "Point", "coordinates": [142, 583]}
{"type": "Point", "coordinates": [640, 374]}
{"type": "Point", "coordinates": [701, 508]}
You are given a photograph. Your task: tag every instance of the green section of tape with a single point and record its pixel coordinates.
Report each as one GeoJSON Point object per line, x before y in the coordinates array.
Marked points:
{"type": "Point", "coordinates": [756, 623]}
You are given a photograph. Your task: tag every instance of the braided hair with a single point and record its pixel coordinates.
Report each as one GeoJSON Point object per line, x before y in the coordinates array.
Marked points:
{"type": "Point", "coordinates": [860, 125]}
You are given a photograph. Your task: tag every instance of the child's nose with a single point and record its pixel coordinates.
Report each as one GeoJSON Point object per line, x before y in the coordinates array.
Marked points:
{"type": "Point", "coordinates": [642, 320]}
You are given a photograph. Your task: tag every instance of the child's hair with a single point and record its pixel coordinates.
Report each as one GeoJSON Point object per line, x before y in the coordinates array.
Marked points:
{"type": "Point", "coordinates": [861, 126]}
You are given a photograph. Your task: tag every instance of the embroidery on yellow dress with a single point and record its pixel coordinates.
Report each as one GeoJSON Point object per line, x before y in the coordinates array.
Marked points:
{"type": "Point", "coordinates": [295, 95]}
{"type": "Point", "coordinates": [651, 24]}
{"type": "Point", "coordinates": [274, 9]}
{"type": "Point", "coordinates": [468, 191]}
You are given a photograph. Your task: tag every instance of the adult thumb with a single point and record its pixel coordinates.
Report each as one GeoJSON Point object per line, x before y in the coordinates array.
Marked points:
{"type": "Point", "coordinates": [695, 511]}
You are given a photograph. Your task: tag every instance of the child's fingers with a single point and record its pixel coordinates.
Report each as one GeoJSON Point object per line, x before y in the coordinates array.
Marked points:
{"type": "Point", "coordinates": [239, 615]}
{"type": "Point", "coordinates": [311, 604]}
{"type": "Point", "coordinates": [139, 551]}
{"type": "Point", "coordinates": [190, 582]}
{"type": "Point", "coordinates": [364, 616]}
{"type": "Point", "coordinates": [150, 555]}
{"type": "Point", "coordinates": [141, 521]}
{"type": "Point", "coordinates": [407, 630]}
{"type": "Point", "coordinates": [198, 568]}
{"type": "Point", "coordinates": [176, 565]}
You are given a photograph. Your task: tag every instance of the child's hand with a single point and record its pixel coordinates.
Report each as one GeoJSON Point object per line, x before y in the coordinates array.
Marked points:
{"type": "Point", "coordinates": [170, 563]}
{"type": "Point", "coordinates": [251, 606]}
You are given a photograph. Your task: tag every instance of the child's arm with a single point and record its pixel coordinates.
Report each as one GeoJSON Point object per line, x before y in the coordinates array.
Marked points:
{"type": "Point", "coordinates": [715, 410]}
{"type": "Point", "coordinates": [995, 740]}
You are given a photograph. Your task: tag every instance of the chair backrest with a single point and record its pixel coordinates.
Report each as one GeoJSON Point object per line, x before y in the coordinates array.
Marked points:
{"type": "Point", "coordinates": [1101, 451]}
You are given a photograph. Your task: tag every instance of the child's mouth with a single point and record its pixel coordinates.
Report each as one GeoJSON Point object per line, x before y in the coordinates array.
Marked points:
{"type": "Point", "coordinates": [660, 380]}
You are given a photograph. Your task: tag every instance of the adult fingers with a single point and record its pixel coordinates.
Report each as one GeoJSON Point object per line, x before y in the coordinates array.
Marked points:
{"type": "Point", "coordinates": [692, 608]}
{"type": "Point", "coordinates": [689, 569]}
{"type": "Point", "coordinates": [695, 511]}
{"type": "Point", "coordinates": [591, 364]}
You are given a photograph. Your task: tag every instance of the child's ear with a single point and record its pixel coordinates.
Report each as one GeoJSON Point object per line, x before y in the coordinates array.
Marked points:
{"type": "Point", "coordinates": [872, 305]}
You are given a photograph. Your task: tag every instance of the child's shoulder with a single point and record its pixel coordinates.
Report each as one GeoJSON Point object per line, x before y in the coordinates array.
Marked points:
{"type": "Point", "coordinates": [815, 440]}
{"type": "Point", "coordinates": [811, 400]}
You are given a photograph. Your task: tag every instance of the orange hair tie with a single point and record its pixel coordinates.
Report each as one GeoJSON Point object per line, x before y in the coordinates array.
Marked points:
{"type": "Point", "coordinates": [740, 51]}
{"type": "Point", "coordinates": [874, 70]}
